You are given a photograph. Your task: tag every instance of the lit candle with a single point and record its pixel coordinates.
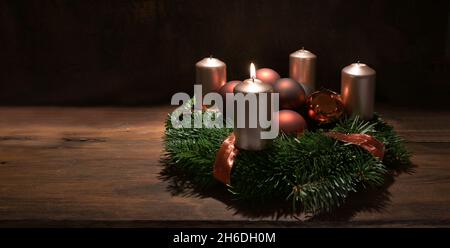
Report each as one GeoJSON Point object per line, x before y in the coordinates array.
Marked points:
{"type": "Point", "coordinates": [249, 138]}
{"type": "Point", "coordinates": [211, 73]}
{"type": "Point", "coordinates": [302, 68]}
{"type": "Point", "coordinates": [358, 90]}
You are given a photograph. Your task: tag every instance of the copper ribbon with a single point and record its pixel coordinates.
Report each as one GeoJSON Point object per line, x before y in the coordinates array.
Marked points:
{"type": "Point", "coordinates": [227, 152]}
{"type": "Point", "coordinates": [367, 142]}
{"type": "Point", "coordinates": [225, 159]}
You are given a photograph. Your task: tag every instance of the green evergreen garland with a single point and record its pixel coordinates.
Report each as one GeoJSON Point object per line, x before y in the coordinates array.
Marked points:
{"type": "Point", "coordinates": [313, 171]}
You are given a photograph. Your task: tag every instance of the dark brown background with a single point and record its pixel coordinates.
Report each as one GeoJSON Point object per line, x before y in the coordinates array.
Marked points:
{"type": "Point", "coordinates": [141, 52]}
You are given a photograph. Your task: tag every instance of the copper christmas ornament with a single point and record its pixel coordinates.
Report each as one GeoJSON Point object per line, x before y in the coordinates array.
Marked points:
{"type": "Point", "coordinates": [325, 106]}
{"type": "Point", "coordinates": [291, 122]}
{"type": "Point", "coordinates": [292, 94]}
{"type": "Point", "coordinates": [228, 88]}
{"type": "Point", "coordinates": [267, 75]}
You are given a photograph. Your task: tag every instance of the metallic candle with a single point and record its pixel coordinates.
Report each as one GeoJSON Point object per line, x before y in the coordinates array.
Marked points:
{"type": "Point", "coordinates": [211, 73]}
{"type": "Point", "coordinates": [302, 68]}
{"type": "Point", "coordinates": [248, 138]}
{"type": "Point", "coordinates": [358, 90]}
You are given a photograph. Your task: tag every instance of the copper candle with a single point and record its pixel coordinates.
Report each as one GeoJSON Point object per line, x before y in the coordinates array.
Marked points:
{"type": "Point", "coordinates": [211, 73]}
{"type": "Point", "coordinates": [247, 137]}
{"type": "Point", "coordinates": [302, 68]}
{"type": "Point", "coordinates": [358, 90]}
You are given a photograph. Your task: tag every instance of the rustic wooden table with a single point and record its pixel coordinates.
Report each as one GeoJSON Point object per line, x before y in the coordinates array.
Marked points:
{"type": "Point", "coordinates": [101, 167]}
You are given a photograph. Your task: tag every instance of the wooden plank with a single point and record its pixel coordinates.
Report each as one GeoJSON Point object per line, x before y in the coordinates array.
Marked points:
{"type": "Point", "coordinates": [419, 125]}
{"type": "Point", "coordinates": [101, 167]}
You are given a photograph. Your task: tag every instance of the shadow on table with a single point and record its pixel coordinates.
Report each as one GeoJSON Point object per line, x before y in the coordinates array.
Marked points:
{"type": "Point", "coordinates": [368, 200]}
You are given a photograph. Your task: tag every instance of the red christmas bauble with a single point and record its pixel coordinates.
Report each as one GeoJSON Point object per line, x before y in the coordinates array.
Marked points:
{"type": "Point", "coordinates": [228, 88]}
{"type": "Point", "coordinates": [325, 106]}
{"type": "Point", "coordinates": [292, 94]}
{"type": "Point", "coordinates": [291, 122]}
{"type": "Point", "coordinates": [267, 75]}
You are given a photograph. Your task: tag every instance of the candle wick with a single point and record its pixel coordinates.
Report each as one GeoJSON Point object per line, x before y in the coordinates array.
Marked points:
{"type": "Point", "coordinates": [210, 56]}
{"type": "Point", "coordinates": [253, 79]}
{"type": "Point", "coordinates": [303, 48]}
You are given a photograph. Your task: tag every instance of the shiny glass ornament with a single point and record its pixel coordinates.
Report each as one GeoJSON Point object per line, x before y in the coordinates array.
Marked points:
{"type": "Point", "coordinates": [325, 106]}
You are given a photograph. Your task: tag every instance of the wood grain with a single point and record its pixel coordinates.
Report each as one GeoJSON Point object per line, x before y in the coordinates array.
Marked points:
{"type": "Point", "coordinates": [101, 167]}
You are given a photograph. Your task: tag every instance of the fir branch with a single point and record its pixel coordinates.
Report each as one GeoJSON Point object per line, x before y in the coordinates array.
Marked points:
{"type": "Point", "coordinates": [314, 172]}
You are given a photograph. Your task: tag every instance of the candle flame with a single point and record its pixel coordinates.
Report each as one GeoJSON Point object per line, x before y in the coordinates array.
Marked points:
{"type": "Point", "coordinates": [252, 71]}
